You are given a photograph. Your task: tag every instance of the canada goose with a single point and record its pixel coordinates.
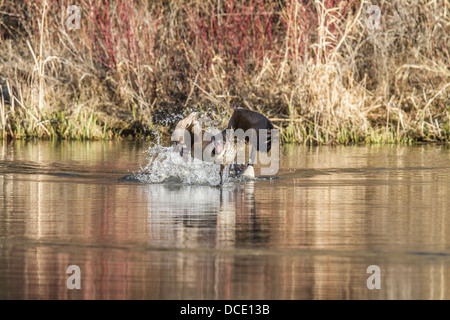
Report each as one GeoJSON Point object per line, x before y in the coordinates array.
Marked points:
{"type": "Point", "coordinates": [190, 136]}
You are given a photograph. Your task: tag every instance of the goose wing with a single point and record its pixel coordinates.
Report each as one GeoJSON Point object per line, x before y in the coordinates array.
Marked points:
{"type": "Point", "coordinates": [246, 119]}
{"type": "Point", "coordinates": [188, 125]}
{"type": "Point", "coordinates": [189, 133]}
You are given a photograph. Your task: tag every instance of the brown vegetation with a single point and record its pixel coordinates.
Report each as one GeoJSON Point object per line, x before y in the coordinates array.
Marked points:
{"type": "Point", "coordinates": [316, 68]}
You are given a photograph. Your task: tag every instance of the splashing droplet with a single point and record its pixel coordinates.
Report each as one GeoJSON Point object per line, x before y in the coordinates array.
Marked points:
{"type": "Point", "coordinates": [166, 165]}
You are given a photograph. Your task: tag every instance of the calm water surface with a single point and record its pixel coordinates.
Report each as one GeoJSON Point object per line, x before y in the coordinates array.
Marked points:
{"type": "Point", "coordinates": [310, 233]}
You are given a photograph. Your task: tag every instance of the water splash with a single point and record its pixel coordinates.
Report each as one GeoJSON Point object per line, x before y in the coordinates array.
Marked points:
{"type": "Point", "coordinates": [166, 165]}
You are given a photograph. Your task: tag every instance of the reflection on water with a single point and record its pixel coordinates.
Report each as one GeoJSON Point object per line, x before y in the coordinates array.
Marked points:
{"type": "Point", "coordinates": [310, 234]}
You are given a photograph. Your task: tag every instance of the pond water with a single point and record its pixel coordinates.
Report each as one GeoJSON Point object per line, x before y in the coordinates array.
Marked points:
{"type": "Point", "coordinates": [309, 232]}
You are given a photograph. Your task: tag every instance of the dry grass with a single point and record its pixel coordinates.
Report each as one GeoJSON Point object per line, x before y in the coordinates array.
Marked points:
{"type": "Point", "coordinates": [314, 67]}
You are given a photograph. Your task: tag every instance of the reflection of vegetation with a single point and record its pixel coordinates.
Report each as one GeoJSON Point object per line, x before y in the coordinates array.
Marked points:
{"type": "Point", "coordinates": [313, 67]}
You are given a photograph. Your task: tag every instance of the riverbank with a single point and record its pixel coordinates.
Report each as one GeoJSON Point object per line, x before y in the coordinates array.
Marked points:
{"type": "Point", "coordinates": [324, 72]}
